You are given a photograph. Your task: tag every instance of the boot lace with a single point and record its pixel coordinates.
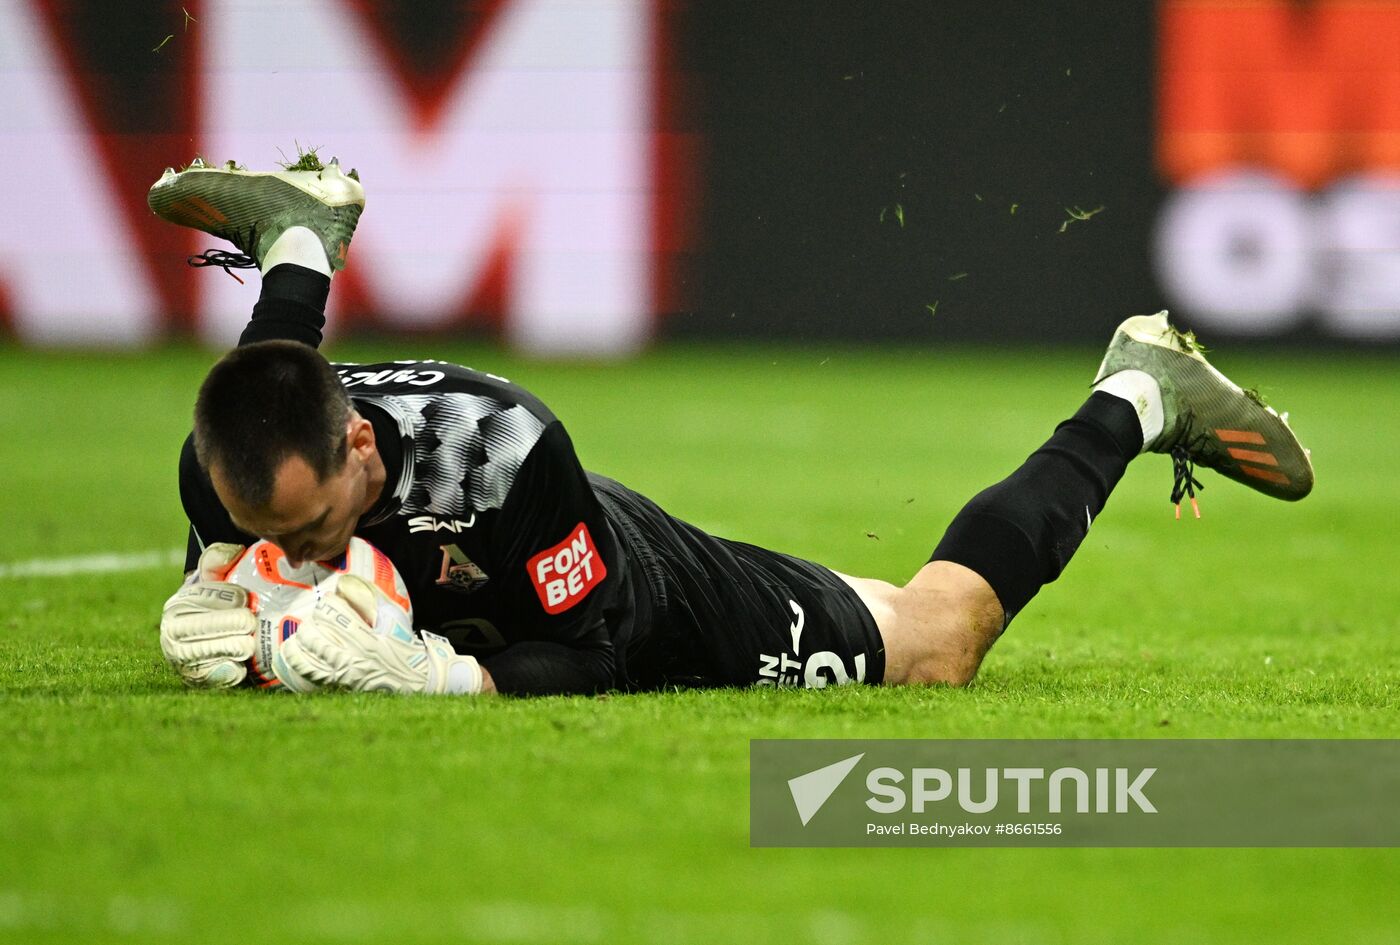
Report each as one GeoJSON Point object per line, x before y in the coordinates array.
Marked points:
{"type": "Point", "coordinates": [225, 261]}
{"type": "Point", "coordinates": [1185, 483]}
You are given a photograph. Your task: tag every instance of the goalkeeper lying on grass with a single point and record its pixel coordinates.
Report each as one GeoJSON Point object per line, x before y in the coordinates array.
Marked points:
{"type": "Point", "coordinates": [534, 576]}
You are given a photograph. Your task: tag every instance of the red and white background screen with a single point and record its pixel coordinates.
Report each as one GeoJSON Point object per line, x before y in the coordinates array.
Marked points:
{"type": "Point", "coordinates": [577, 176]}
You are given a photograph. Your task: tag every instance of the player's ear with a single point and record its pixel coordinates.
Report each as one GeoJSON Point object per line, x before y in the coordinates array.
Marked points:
{"type": "Point", "coordinates": [359, 435]}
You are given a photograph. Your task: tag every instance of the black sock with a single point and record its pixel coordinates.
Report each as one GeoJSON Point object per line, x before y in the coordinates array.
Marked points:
{"type": "Point", "coordinates": [292, 306]}
{"type": "Point", "coordinates": [1020, 533]}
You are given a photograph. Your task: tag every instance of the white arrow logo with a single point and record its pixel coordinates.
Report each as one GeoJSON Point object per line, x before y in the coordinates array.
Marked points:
{"type": "Point", "coordinates": [797, 625]}
{"type": "Point", "coordinates": [813, 789]}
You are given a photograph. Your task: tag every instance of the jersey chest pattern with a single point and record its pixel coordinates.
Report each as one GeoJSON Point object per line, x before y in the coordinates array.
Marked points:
{"type": "Point", "coordinates": [463, 450]}
{"type": "Point", "coordinates": [464, 434]}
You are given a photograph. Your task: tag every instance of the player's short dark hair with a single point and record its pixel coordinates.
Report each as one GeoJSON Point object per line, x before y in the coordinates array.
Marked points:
{"type": "Point", "coordinates": [263, 403]}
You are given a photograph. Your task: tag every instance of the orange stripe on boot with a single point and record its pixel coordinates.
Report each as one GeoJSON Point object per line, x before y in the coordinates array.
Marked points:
{"type": "Point", "coordinates": [1254, 456]}
{"type": "Point", "coordinates": [208, 208]}
{"type": "Point", "coordinates": [1240, 436]}
{"type": "Point", "coordinates": [1268, 475]}
{"type": "Point", "coordinates": [191, 212]}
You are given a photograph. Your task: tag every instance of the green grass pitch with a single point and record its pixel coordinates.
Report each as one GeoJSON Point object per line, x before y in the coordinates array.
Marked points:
{"type": "Point", "coordinates": [134, 811]}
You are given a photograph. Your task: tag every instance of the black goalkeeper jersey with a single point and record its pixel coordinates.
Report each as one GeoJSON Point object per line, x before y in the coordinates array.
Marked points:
{"type": "Point", "coordinates": [489, 517]}
{"type": "Point", "coordinates": [557, 579]}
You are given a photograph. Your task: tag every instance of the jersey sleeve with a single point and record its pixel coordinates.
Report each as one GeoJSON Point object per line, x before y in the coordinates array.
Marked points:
{"type": "Point", "coordinates": [209, 521]}
{"type": "Point", "coordinates": [560, 561]}
{"type": "Point", "coordinates": [539, 668]}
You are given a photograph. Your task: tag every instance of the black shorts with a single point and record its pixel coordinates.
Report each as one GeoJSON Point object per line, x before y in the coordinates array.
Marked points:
{"type": "Point", "coordinates": [714, 612]}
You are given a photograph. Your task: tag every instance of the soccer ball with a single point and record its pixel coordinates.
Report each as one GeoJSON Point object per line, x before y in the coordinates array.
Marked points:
{"type": "Point", "coordinates": [283, 596]}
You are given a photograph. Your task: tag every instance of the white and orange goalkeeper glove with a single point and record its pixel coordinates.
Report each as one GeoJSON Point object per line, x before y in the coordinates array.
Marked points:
{"type": "Point", "coordinates": [339, 648]}
{"type": "Point", "coordinates": [207, 631]}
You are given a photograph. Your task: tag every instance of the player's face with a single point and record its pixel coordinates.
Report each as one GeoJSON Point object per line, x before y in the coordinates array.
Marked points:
{"type": "Point", "coordinates": [312, 519]}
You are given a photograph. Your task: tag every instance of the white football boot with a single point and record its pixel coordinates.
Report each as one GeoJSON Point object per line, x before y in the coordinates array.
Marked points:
{"type": "Point", "coordinates": [251, 209]}
{"type": "Point", "coordinates": [1208, 419]}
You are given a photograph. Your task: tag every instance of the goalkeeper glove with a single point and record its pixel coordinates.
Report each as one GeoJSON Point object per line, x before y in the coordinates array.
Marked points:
{"type": "Point", "coordinates": [338, 648]}
{"type": "Point", "coordinates": [207, 629]}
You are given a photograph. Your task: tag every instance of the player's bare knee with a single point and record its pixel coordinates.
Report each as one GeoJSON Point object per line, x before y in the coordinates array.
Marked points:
{"type": "Point", "coordinates": [954, 650]}
{"type": "Point", "coordinates": [951, 619]}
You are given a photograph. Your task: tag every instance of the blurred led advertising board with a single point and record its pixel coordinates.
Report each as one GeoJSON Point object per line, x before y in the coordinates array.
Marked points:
{"type": "Point", "coordinates": [510, 180]}
{"type": "Point", "coordinates": [1280, 135]}
{"type": "Point", "coordinates": [584, 176]}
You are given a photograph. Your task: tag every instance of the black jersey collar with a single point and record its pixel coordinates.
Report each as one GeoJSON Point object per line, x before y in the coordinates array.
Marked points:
{"type": "Point", "coordinates": [393, 438]}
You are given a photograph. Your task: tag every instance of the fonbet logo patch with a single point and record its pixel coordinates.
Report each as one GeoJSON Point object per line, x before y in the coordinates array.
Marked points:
{"type": "Point", "coordinates": [563, 575]}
